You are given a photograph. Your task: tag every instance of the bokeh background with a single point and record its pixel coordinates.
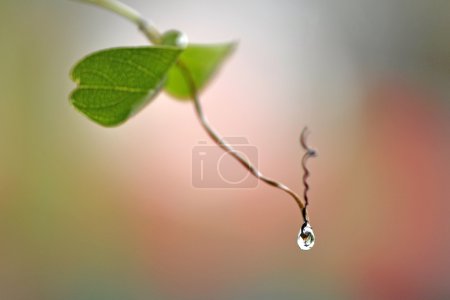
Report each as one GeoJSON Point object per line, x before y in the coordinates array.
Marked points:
{"type": "Point", "coordinates": [94, 213]}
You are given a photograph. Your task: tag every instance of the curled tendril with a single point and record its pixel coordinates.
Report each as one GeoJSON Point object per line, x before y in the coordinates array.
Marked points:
{"type": "Point", "coordinates": [309, 153]}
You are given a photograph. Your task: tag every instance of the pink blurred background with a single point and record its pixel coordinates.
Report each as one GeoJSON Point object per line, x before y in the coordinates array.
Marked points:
{"type": "Point", "coordinates": [94, 213]}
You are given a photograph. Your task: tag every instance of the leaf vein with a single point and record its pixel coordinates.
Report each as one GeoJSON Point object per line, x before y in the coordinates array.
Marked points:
{"type": "Point", "coordinates": [134, 65]}
{"type": "Point", "coordinates": [113, 88]}
{"type": "Point", "coordinates": [98, 73]}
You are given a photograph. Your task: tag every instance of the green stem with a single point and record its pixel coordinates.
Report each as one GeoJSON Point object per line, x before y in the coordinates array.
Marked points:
{"type": "Point", "coordinates": [155, 37]}
{"type": "Point", "coordinates": [130, 14]}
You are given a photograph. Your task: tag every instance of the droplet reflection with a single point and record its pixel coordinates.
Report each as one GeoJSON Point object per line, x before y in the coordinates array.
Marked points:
{"type": "Point", "coordinates": [306, 237]}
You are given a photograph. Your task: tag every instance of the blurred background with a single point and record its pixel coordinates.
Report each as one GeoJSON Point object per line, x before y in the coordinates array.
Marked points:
{"type": "Point", "coordinates": [94, 213]}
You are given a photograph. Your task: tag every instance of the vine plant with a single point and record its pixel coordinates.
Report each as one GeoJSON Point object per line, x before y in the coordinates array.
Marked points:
{"type": "Point", "coordinates": [114, 84]}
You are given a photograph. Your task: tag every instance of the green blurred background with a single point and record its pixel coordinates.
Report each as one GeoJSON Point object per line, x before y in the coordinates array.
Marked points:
{"type": "Point", "coordinates": [94, 213]}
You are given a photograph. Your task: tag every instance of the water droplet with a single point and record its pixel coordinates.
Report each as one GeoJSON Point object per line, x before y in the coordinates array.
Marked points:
{"type": "Point", "coordinates": [175, 38]}
{"type": "Point", "coordinates": [306, 237]}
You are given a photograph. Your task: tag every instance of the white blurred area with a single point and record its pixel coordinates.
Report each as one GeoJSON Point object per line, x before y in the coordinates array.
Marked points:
{"type": "Point", "coordinates": [312, 54]}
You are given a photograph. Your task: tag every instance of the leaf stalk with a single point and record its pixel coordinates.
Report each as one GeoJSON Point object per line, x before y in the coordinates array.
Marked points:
{"type": "Point", "coordinates": [129, 13]}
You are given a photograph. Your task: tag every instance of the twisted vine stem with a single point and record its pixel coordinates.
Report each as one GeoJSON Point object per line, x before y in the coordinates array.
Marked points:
{"type": "Point", "coordinates": [228, 148]}
{"type": "Point", "coordinates": [154, 37]}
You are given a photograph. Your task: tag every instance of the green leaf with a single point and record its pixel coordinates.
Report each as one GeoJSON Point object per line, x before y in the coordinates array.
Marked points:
{"type": "Point", "coordinates": [203, 61]}
{"type": "Point", "coordinates": [114, 84]}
